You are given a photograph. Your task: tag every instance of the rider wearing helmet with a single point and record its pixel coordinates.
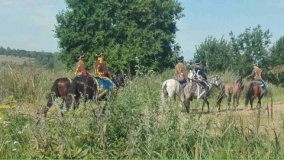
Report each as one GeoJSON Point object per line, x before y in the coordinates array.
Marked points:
{"type": "Point", "coordinates": [80, 66]}
{"type": "Point", "coordinates": [180, 73]}
{"type": "Point", "coordinates": [257, 75]}
{"type": "Point", "coordinates": [99, 65]}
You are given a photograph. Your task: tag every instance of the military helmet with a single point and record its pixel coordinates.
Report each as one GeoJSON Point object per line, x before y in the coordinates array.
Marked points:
{"type": "Point", "coordinates": [78, 55]}
{"type": "Point", "coordinates": [180, 58]}
{"type": "Point", "coordinates": [197, 62]}
{"type": "Point", "coordinates": [99, 53]}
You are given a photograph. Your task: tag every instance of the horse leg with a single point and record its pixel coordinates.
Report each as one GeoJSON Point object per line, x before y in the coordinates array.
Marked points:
{"type": "Point", "coordinates": [207, 104]}
{"type": "Point", "coordinates": [219, 101]}
{"type": "Point", "coordinates": [229, 100]}
{"type": "Point", "coordinates": [187, 104]}
{"type": "Point", "coordinates": [251, 103]}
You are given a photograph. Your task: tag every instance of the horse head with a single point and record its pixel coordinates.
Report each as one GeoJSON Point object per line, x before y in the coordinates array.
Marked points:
{"type": "Point", "coordinates": [119, 80]}
{"type": "Point", "coordinates": [190, 74]}
{"type": "Point", "coordinates": [215, 81]}
{"type": "Point", "coordinates": [240, 84]}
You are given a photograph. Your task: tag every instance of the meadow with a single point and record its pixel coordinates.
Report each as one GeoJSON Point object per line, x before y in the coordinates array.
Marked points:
{"type": "Point", "coordinates": [133, 126]}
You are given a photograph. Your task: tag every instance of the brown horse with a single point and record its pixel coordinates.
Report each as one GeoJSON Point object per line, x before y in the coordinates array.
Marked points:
{"type": "Point", "coordinates": [254, 91]}
{"type": "Point", "coordinates": [61, 88]}
{"type": "Point", "coordinates": [231, 90]}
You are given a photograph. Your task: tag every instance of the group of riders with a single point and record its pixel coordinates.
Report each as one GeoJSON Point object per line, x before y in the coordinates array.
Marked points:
{"type": "Point", "coordinates": [200, 77]}
{"type": "Point", "coordinates": [100, 70]}
{"type": "Point", "coordinates": [99, 65]}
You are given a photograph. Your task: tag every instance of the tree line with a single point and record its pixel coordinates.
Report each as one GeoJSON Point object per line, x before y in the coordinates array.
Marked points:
{"type": "Point", "coordinates": [43, 58]}
{"type": "Point", "coordinates": [143, 33]}
{"type": "Point", "coordinates": [240, 52]}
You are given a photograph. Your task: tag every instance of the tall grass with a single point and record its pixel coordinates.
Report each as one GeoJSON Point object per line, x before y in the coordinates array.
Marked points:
{"type": "Point", "coordinates": [132, 127]}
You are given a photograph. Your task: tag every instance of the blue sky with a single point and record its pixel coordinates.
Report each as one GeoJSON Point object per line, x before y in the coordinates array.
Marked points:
{"type": "Point", "coordinates": [28, 24]}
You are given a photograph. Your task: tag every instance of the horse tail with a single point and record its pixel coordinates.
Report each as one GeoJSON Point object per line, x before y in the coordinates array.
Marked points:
{"type": "Point", "coordinates": [249, 94]}
{"type": "Point", "coordinates": [164, 94]}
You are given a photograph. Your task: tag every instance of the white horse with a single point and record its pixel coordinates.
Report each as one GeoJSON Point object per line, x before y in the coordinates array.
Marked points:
{"type": "Point", "coordinates": [171, 89]}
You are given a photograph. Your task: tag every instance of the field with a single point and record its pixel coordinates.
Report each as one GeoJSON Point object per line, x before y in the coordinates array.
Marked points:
{"type": "Point", "coordinates": [17, 60]}
{"type": "Point", "coordinates": [134, 125]}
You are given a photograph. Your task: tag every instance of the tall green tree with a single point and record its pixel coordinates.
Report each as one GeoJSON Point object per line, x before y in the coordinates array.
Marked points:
{"type": "Point", "coordinates": [124, 29]}
{"type": "Point", "coordinates": [277, 52]}
{"type": "Point", "coordinates": [252, 45]}
{"type": "Point", "coordinates": [215, 54]}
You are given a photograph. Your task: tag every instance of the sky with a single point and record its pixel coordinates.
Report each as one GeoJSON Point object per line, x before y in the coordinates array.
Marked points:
{"type": "Point", "coordinates": [29, 24]}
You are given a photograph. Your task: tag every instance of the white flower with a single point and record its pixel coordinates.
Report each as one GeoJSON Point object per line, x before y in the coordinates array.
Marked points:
{"type": "Point", "coordinates": [14, 149]}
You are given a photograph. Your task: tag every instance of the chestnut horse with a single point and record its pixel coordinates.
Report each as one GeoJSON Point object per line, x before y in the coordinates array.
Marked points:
{"type": "Point", "coordinates": [231, 90]}
{"type": "Point", "coordinates": [254, 91]}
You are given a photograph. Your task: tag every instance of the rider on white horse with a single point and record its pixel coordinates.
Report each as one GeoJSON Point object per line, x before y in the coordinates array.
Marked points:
{"type": "Point", "coordinates": [180, 72]}
{"type": "Point", "coordinates": [200, 76]}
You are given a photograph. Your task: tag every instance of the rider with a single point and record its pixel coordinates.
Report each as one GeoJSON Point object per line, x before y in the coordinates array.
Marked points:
{"type": "Point", "coordinates": [99, 65]}
{"type": "Point", "coordinates": [180, 73]}
{"type": "Point", "coordinates": [80, 66]}
{"type": "Point", "coordinates": [257, 75]}
{"type": "Point", "coordinates": [200, 75]}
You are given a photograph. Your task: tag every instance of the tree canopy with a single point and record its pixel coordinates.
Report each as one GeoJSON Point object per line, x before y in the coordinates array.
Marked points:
{"type": "Point", "coordinates": [238, 54]}
{"type": "Point", "coordinates": [126, 30]}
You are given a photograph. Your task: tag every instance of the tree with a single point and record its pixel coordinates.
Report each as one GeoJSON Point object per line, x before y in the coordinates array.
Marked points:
{"type": "Point", "coordinates": [277, 52]}
{"type": "Point", "coordinates": [125, 30]}
{"type": "Point", "coordinates": [214, 54]}
{"type": "Point", "coordinates": [252, 46]}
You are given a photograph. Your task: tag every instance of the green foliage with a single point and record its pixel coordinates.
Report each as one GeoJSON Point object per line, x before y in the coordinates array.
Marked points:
{"type": "Point", "coordinates": [238, 54]}
{"type": "Point", "coordinates": [252, 46]}
{"type": "Point", "coordinates": [215, 54]}
{"type": "Point", "coordinates": [124, 30]}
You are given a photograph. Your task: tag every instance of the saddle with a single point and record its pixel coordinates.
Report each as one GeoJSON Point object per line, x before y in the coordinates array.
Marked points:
{"type": "Point", "coordinates": [262, 85]}
{"type": "Point", "coordinates": [104, 85]}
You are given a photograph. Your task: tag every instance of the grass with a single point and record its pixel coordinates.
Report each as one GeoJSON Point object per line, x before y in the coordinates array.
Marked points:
{"type": "Point", "coordinates": [13, 59]}
{"type": "Point", "coordinates": [132, 126]}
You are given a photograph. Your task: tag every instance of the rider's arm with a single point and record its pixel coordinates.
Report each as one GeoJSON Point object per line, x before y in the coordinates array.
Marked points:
{"type": "Point", "coordinates": [251, 75]}
{"type": "Point", "coordinates": [105, 71]}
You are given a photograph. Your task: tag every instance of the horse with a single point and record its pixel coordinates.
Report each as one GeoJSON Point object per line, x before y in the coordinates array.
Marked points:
{"type": "Point", "coordinates": [61, 87]}
{"type": "Point", "coordinates": [231, 90]}
{"type": "Point", "coordinates": [194, 90]}
{"type": "Point", "coordinates": [172, 89]}
{"type": "Point", "coordinates": [254, 91]}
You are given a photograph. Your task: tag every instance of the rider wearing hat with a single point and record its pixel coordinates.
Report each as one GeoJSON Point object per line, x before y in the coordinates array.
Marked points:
{"type": "Point", "coordinates": [200, 75]}
{"type": "Point", "coordinates": [257, 75]}
{"type": "Point", "coordinates": [80, 66]}
{"type": "Point", "coordinates": [180, 73]}
{"type": "Point", "coordinates": [99, 65]}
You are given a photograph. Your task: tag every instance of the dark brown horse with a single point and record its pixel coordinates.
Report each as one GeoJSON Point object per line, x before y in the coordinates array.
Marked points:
{"type": "Point", "coordinates": [254, 91]}
{"type": "Point", "coordinates": [59, 89]}
{"type": "Point", "coordinates": [62, 86]}
{"type": "Point", "coordinates": [231, 90]}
